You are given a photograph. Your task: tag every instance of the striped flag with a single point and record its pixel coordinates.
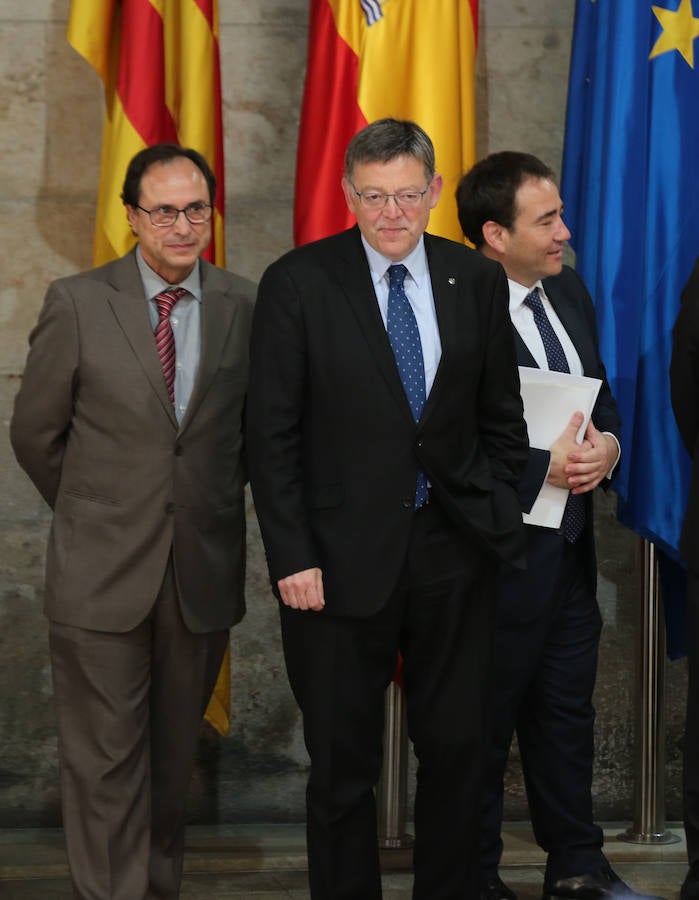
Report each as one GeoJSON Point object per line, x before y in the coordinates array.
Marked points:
{"type": "Point", "coordinates": [159, 62]}
{"type": "Point", "coordinates": [409, 59]}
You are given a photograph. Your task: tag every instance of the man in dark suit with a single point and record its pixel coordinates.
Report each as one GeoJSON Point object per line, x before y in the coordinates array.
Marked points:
{"type": "Point", "coordinates": [548, 624]}
{"type": "Point", "coordinates": [129, 423]}
{"type": "Point", "coordinates": [385, 439]}
{"type": "Point", "coordinates": [684, 384]}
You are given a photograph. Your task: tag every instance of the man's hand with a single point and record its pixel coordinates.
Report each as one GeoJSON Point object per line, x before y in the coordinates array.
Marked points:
{"type": "Point", "coordinates": [589, 464]}
{"type": "Point", "coordinates": [561, 451]}
{"type": "Point", "coordinates": [303, 590]}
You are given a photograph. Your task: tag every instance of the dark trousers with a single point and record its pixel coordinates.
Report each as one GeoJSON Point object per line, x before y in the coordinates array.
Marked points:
{"type": "Point", "coordinates": [544, 668]}
{"type": "Point", "coordinates": [440, 617]}
{"type": "Point", "coordinates": [691, 737]}
{"type": "Point", "coordinates": [129, 713]}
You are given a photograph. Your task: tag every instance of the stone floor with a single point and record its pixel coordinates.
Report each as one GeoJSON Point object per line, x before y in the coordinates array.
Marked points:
{"type": "Point", "coordinates": [268, 863]}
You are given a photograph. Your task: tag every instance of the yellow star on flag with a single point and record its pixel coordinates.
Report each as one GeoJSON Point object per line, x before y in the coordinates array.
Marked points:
{"type": "Point", "coordinates": [680, 28]}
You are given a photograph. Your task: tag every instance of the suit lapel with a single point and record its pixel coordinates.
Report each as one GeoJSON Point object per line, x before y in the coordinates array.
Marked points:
{"type": "Point", "coordinates": [130, 308]}
{"type": "Point", "coordinates": [354, 280]}
{"type": "Point", "coordinates": [524, 356]}
{"type": "Point", "coordinates": [445, 290]}
{"type": "Point", "coordinates": [568, 311]}
{"type": "Point", "coordinates": [217, 316]}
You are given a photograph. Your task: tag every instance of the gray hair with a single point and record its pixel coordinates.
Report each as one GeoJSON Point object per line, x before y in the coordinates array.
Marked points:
{"type": "Point", "coordinates": [387, 139]}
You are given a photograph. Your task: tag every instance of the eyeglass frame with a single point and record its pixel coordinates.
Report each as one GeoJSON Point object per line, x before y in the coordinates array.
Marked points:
{"type": "Point", "coordinates": [395, 196]}
{"type": "Point", "coordinates": [177, 212]}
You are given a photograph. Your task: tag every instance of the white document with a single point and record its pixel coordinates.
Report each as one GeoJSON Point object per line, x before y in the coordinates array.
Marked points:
{"type": "Point", "coordinates": [550, 399]}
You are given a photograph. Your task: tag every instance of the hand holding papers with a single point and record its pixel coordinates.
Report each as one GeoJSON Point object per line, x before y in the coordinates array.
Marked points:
{"type": "Point", "coordinates": [550, 399]}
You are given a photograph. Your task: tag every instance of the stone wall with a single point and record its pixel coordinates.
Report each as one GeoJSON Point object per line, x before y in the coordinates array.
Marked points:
{"type": "Point", "coordinates": [50, 134]}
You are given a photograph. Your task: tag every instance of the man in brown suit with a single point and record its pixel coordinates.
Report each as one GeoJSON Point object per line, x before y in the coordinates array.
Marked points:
{"type": "Point", "coordinates": [139, 454]}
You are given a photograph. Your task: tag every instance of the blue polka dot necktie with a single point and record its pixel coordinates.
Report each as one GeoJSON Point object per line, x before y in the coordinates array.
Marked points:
{"type": "Point", "coordinates": [574, 513]}
{"type": "Point", "coordinates": [404, 337]}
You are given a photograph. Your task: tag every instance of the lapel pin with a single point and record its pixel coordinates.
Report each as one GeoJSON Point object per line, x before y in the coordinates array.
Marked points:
{"type": "Point", "coordinates": [452, 281]}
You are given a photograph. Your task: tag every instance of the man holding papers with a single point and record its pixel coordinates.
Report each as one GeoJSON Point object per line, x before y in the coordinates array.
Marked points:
{"type": "Point", "coordinates": [548, 619]}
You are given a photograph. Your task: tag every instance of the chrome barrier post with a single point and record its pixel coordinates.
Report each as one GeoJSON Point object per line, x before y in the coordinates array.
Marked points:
{"type": "Point", "coordinates": [392, 789]}
{"type": "Point", "coordinates": [649, 765]}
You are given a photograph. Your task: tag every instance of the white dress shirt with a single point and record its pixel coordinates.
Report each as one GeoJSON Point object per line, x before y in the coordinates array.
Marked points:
{"type": "Point", "coordinates": [523, 320]}
{"type": "Point", "coordinates": [418, 289]}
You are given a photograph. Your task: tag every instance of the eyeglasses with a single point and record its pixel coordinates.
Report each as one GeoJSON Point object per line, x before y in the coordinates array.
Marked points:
{"type": "Point", "coordinates": [377, 200]}
{"type": "Point", "coordinates": [162, 216]}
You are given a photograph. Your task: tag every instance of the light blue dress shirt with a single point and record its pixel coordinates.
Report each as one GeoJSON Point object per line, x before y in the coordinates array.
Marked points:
{"type": "Point", "coordinates": [185, 320]}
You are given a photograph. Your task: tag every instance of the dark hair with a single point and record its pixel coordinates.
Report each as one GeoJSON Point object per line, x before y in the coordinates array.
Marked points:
{"type": "Point", "coordinates": [386, 139]}
{"type": "Point", "coordinates": [487, 191]}
{"type": "Point", "coordinates": [162, 153]}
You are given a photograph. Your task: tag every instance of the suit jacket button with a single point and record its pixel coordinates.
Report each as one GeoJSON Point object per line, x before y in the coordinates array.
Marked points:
{"type": "Point", "coordinates": [407, 502]}
{"type": "Point", "coordinates": [169, 508]}
{"type": "Point", "coordinates": [179, 449]}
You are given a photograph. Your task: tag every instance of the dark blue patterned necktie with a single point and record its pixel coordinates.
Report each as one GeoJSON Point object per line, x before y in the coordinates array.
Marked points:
{"type": "Point", "coordinates": [574, 513]}
{"type": "Point", "coordinates": [404, 337]}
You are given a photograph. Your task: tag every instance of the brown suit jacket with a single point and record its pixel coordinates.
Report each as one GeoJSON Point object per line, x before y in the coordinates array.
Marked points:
{"type": "Point", "coordinates": [96, 433]}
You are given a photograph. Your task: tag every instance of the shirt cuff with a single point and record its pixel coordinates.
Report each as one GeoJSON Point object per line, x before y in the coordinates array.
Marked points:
{"type": "Point", "coordinates": [618, 453]}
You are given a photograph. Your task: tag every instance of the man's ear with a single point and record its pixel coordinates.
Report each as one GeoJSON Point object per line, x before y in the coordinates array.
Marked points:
{"type": "Point", "coordinates": [351, 197]}
{"type": "Point", "coordinates": [494, 236]}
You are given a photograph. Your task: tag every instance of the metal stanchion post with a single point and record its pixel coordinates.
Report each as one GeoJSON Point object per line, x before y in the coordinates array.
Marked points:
{"type": "Point", "coordinates": [649, 766]}
{"type": "Point", "coordinates": [392, 789]}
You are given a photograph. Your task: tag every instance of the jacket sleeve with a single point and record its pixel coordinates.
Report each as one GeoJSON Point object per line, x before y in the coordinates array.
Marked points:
{"type": "Point", "coordinates": [684, 364]}
{"type": "Point", "coordinates": [44, 405]}
{"type": "Point", "coordinates": [501, 420]}
{"type": "Point", "coordinates": [531, 482]}
{"type": "Point", "coordinates": [605, 414]}
{"type": "Point", "coordinates": [274, 424]}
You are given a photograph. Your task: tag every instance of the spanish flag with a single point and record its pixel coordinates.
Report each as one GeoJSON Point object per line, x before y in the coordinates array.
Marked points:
{"type": "Point", "coordinates": [159, 62]}
{"type": "Point", "coordinates": [367, 59]}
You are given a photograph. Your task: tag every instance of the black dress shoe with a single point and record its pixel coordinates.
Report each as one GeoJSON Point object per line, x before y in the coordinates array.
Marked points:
{"type": "Point", "coordinates": [690, 885]}
{"type": "Point", "coordinates": [602, 885]}
{"type": "Point", "coordinates": [495, 889]}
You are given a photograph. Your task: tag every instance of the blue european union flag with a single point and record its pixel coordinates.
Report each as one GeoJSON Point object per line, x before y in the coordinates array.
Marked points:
{"type": "Point", "coordinates": [631, 190]}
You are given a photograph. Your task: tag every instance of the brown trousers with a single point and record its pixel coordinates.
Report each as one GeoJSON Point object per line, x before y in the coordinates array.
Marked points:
{"type": "Point", "coordinates": [129, 712]}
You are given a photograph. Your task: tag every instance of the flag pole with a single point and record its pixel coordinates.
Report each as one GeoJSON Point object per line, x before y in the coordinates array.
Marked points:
{"type": "Point", "coordinates": [649, 765]}
{"type": "Point", "coordinates": [392, 789]}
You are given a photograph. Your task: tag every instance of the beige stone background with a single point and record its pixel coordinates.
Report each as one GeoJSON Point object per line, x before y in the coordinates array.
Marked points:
{"type": "Point", "coordinates": [50, 132]}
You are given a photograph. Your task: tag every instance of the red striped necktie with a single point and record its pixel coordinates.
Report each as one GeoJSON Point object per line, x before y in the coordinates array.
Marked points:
{"type": "Point", "coordinates": [164, 337]}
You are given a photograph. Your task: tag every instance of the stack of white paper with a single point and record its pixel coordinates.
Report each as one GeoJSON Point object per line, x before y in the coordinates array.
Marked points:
{"type": "Point", "coordinates": [550, 399]}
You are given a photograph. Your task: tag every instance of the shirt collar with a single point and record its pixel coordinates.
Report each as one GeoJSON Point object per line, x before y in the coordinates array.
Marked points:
{"type": "Point", "coordinates": [153, 284]}
{"type": "Point", "coordinates": [518, 292]}
{"type": "Point", "coordinates": [415, 262]}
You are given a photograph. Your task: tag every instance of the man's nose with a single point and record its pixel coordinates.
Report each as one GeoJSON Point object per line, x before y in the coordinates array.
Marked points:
{"type": "Point", "coordinates": [181, 222]}
{"type": "Point", "coordinates": [562, 233]}
{"type": "Point", "coordinates": [392, 207]}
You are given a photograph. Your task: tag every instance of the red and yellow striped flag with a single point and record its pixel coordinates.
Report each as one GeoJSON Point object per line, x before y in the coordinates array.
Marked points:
{"type": "Point", "coordinates": [159, 62]}
{"type": "Point", "coordinates": [409, 59]}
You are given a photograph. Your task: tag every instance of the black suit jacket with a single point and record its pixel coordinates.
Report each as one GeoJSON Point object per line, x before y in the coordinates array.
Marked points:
{"type": "Point", "coordinates": [573, 306]}
{"type": "Point", "coordinates": [684, 385]}
{"type": "Point", "coordinates": [333, 448]}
